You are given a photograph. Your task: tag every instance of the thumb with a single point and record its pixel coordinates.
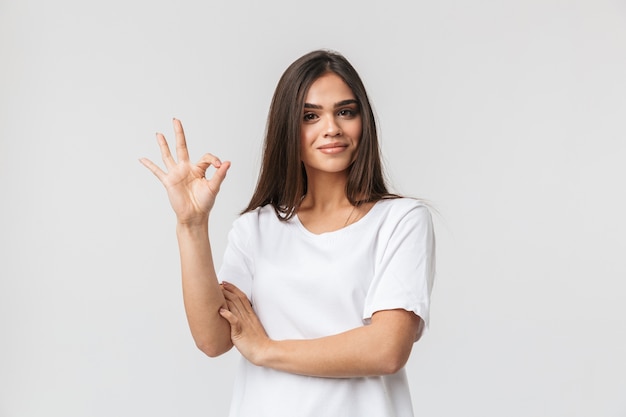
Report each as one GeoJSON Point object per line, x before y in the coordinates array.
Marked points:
{"type": "Point", "coordinates": [235, 327]}
{"type": "Point", "coordinates": [220, 173]}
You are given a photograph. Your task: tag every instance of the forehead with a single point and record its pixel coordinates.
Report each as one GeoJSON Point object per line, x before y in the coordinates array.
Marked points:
{"type": "Point", "coordinates": [328, 88]}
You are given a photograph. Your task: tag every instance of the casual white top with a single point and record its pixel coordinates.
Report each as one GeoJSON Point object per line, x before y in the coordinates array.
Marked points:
{"type": "Point", "coordinates": [303, 286]}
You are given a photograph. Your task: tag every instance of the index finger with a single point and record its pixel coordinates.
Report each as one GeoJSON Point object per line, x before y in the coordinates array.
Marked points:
{"type": "Point", "coordinates": [232, 293]}
{"type": "Point", "coordinates": [181, 144]}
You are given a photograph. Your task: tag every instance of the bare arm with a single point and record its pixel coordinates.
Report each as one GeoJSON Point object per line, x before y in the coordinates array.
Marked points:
{"type": "Point", "coordinates": [201, 292]}
{"type": "Point", "coordinates": [192, 197]}
{"type": "Point", "coordinates": [380, 348]}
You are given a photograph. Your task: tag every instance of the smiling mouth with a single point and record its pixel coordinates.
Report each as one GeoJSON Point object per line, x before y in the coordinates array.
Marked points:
{"type": "Point", "coordinates": [333, 148]}
{"type": "Point", "coordinates": [334, 145]}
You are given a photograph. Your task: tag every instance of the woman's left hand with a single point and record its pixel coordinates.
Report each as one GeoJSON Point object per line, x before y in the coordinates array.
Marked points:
{"type": "Point", "coordinates": [246, 331]}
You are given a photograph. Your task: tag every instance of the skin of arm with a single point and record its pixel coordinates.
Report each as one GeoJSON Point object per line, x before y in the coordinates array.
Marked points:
{"type": "Point", "coordinates": [380, 348]}
{"type": "Point", "coordinates": [202, 295]}
{"type": "Point", "coordinates": [192, 197]}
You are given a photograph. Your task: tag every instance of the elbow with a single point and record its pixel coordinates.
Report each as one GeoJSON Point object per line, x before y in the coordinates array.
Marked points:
{"type": "Point", "coordinates": [393, 357]}
{"type": "Point", "coordinates": [213, 349]}
{"type": "Point", "coordinates": [212, 341]}
{"type": "Point", "coordinates": [393, 363]}
{"type": "Point", "coordinates": [393, 333]}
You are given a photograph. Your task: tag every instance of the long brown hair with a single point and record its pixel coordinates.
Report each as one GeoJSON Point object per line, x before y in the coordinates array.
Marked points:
{"type": "Point", "coordinates": [282, 181]}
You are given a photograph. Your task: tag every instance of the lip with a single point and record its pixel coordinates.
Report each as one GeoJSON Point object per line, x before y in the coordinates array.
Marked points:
{"type": "Point", "coordinates": [334, 147]}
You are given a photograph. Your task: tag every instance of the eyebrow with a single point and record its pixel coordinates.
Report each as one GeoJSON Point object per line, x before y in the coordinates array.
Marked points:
{"type": "Point", "coordinates": [338, 104]}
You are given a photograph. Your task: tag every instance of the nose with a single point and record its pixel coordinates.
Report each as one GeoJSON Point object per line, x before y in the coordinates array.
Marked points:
{"type": "Point", "coordinates": [333, 128]}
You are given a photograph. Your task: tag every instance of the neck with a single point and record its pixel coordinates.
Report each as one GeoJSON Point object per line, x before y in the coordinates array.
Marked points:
{"type": "Point", "coordinates": [325, 207]}
{"type": "Point", "coordinates": [326, 191]}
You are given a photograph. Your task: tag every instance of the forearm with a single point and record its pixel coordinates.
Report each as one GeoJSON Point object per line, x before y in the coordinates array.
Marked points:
{"type": "Point", "coordinates": [201, 291]}
{"type": "Point", "coordinates": [380, 348]}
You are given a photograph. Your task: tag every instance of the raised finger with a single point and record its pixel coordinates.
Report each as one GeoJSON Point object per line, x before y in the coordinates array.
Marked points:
{"type": "Point", "coordinates": [158, 172]}
{"type": "Point", "coordinates": [182, 154]}
{"type": "Point", "coordinates": [166, 155]}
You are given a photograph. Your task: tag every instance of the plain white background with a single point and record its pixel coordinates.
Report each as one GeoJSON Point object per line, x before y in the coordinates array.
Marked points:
{"type": "Point", "coordinates": [507, 115]}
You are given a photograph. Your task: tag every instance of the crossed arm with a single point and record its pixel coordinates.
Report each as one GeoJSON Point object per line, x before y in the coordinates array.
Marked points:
{"type": "Point", "coordinates": [379, 348]}
{"type": "Point", "coordinates": [221, 316]}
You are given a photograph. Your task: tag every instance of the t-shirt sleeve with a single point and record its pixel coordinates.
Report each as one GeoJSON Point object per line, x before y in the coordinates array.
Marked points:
{"type": "Point", "coordinates": [405, 266]}
{"type": "Point", "coordinates": [237, 267]}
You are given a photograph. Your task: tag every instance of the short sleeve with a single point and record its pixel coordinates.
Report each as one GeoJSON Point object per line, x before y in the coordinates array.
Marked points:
{"type": "Point", "coordinates": [237, 266]}
{"type": "Point", "coordinates": [405, 265]}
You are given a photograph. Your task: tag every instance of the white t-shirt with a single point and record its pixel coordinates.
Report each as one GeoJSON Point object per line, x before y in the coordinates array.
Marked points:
{"type": "Point", "coordinates": [304, 286]}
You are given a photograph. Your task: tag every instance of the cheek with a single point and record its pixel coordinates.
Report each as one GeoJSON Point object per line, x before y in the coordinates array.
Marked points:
{"type": "Point", "coordinates": [358, 132]}
{"type": "Point", "coordinates": [307, 136]}
{"type": "Point", "coordinates": [305, 143]}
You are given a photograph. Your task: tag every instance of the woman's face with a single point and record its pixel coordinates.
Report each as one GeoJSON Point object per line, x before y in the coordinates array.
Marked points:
{"type": "Point", "coordinates": [331, 126]}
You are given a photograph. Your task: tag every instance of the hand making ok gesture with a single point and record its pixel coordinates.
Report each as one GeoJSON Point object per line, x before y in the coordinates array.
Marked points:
{"type": "Point", "coordinates": [191, 194]}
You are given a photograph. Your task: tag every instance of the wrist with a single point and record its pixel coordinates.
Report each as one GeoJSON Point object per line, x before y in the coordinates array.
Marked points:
{"type": "Point", "coordinates": [269, 356]}
{"type": "Point", "coordinates": [192, 227]}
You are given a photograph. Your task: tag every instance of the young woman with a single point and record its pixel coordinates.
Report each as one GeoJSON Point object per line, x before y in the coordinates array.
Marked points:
{"type": "Point", "coordinates": [326, 279]}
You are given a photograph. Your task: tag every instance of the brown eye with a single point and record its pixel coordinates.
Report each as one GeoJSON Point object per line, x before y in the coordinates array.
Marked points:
{"type": "Point", "coordinates": [309, 117]}
{"type": "Point", "coordinates": [347, 113]}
